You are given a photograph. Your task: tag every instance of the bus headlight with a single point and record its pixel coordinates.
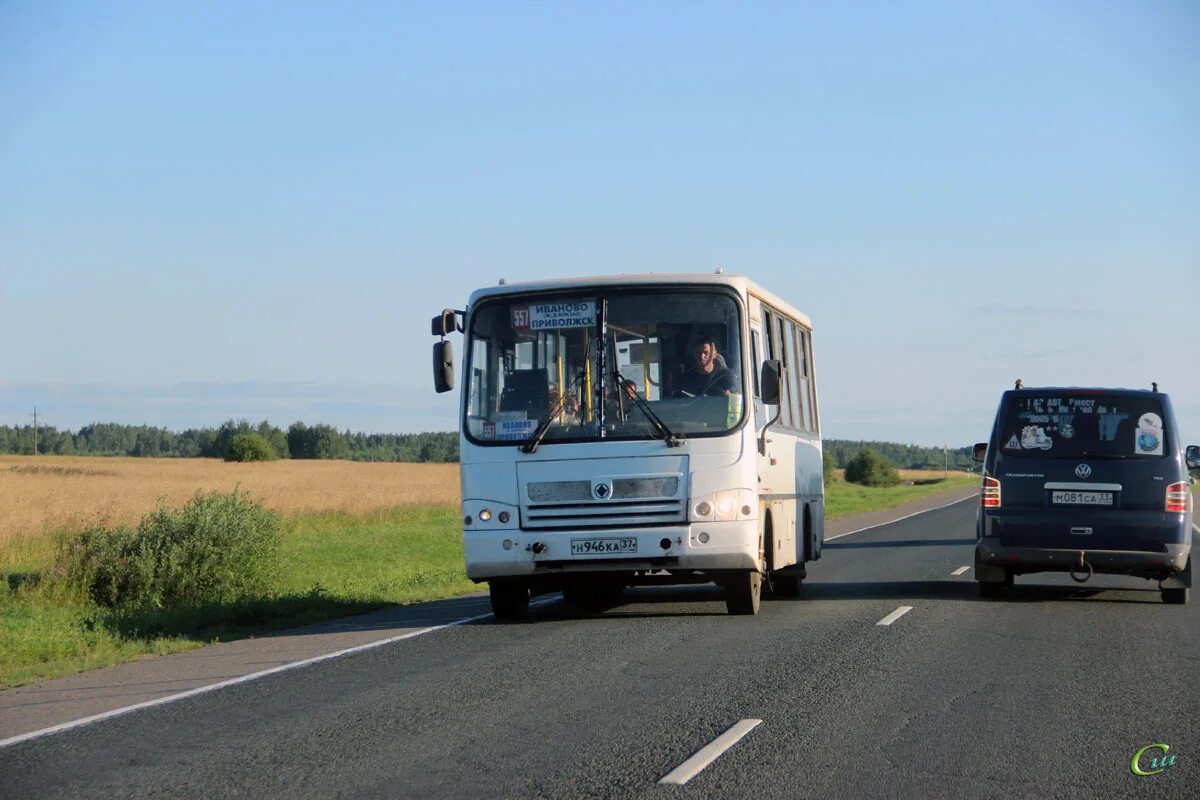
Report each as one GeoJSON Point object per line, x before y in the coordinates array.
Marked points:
{"type": "Point", "coordinates": [732, 504]}
{"type": "Point", "coordinates": [488, 515]}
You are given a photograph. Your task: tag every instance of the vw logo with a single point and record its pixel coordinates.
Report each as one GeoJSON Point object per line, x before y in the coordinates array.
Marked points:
{"type": "Point", "coordinates": [1083, 471]}
{"type": "Point", "coordinates": [602, 491]}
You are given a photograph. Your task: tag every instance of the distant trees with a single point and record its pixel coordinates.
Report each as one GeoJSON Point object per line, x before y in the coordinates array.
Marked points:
{"type": "Point", "coordinates": [905, 456]}
{"type": "Point", "coordinates": [299, 441]}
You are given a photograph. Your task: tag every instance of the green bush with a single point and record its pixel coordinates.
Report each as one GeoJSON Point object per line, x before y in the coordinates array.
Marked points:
{"type": "Point", "coordinates": [250, 447]}
{"type": "Point", "coordinates": [827, 466]}
{"type": "Point", "coordinates": [871, 469]}
{"type": "Point", "coordinates": [218, 548]}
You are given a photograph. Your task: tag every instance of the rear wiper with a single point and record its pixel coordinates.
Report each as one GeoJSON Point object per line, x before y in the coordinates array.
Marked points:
{"type": "Point", "coordinates": [668, 436]}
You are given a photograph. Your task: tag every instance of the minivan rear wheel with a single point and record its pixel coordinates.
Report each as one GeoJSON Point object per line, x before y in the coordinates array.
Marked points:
{"type": "Point", "coordinates": [1175, 597]}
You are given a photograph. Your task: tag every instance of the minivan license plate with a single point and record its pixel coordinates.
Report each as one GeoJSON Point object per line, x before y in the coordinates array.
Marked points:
{"type": "Point", "coordinates": [1081, 498]}
{"type": "Point", "coordinates": [596, 547]}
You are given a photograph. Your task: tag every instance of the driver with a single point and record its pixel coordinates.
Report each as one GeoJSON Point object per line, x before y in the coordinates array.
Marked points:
{"type": "Point", "coordinates": [706, 376]}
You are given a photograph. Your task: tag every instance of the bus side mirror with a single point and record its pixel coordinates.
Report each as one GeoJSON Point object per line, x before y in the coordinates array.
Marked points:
{"type": "Point", "coordinates": [1192, 457]}
{"type": "Point", "coordinates": [979, 451]}
{"type": "Point", "coordinates": [445, 323]}
{"type": "Point", "coordinates": [443, 366]}
{"type": "Point", "coordinates": [772, 371]}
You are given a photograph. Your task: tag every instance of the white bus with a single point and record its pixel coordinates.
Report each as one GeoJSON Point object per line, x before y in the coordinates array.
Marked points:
{"type": "Point", "coordinates": [635, 429]}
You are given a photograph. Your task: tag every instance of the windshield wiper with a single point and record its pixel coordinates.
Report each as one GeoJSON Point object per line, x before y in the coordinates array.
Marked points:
{"type": "Point", "coordinates": [622, 382]}
{"type": "Point", "coordinates": [539, 433]}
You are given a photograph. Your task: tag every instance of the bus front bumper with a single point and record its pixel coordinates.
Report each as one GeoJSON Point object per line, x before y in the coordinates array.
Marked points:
{"type": "Point", "coordinates": [704, 547]}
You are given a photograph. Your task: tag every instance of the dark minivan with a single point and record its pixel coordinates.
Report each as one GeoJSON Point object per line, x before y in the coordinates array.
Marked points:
{"type": "Point", "coordinates": [1085, 481]}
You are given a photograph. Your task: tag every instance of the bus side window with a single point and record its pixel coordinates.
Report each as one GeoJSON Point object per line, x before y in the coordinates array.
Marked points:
{"type": "Point", "coordinates": [785, 400]}
{"type": "Point", "coordinates": [812, 384]}
{"type": "Point", "coordinates": [802, 382]}
{"type": "Point", "coordinates": [795, 404]}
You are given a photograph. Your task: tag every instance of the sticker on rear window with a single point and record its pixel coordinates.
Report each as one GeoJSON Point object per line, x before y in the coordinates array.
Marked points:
{"type": "Point", "coordinates": [1149, 435]}
{"type": "Point", "coordinates": [1033, 437]}
{"type": "Point", "coordinates": [1013, 444]}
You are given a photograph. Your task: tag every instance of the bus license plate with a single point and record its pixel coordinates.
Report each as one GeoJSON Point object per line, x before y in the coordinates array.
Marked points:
{"type": "Point", "coordinates": [1081, 498]}
{"type": "Point", "coordinates": [597, 547]}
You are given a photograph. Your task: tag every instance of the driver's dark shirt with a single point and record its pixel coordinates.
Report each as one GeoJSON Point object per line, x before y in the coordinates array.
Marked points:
{"type": "Point", "coordinates": [711, 384]}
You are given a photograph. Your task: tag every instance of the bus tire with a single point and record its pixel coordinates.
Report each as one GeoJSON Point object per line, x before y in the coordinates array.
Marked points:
{"type": "Point", "coordinates": [510, 598]}
{"type": "Point", "coordinates": [786, 585]}
{"type": "Point", "coordinates": [743, 592]}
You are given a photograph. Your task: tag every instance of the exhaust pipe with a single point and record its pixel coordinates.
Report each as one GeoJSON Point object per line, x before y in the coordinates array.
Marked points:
{"type": "Point", "coordinates": [1083, 564]}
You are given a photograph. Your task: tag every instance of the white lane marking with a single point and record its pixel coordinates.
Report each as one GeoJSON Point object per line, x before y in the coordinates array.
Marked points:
{"type": "Point", "coordinates": [960, 570]}
{"type": "Point", "coordinates": [171, 698]}
{"type": "Point", "coordinates": [895, 615]}
{"type": "Point", "coordinates": [710, 752]}
{"type": "Point", "coordinates": [907, 516]}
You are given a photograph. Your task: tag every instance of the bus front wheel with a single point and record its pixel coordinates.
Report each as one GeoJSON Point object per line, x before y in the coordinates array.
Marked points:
{"type": "Point", "coordinates": [743, 592]}
{"type": "Point", "coordinates": [510, 598]}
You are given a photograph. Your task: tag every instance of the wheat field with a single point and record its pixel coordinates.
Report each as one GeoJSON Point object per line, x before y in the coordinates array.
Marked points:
{"type": "Point", "coordinates": [40, 494]}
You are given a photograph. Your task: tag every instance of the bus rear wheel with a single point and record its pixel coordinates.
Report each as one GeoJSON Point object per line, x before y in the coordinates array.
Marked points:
{"type": "Point", "coordinates": [786, 585]}
{"type": "Point", "coordinates": [510, 598]}
{"type": "Point", "coordinates": [743, 592]}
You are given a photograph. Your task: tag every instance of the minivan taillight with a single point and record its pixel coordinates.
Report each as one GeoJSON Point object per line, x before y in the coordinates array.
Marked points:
{"type": "Point", "coordinates": [991, 493]}
{"type": "Point", "coordinates": [1178, 497]}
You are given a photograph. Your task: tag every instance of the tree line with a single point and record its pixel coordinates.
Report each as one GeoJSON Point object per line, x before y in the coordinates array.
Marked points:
{"type": "Point", "coordinates": [325, 441]}
{"type": "Point", "coordinates": [904, 456]}
{"type": "Point", "coordinates": [298, 441]}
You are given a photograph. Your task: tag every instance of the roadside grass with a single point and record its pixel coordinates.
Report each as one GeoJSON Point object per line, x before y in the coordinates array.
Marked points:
{"type": "Point", "coordinates": [331, 565]}
{"type": "Point", "coordinates": [843, 499]}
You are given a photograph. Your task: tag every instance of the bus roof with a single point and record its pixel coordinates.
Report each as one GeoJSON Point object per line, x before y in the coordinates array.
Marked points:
{"type": "Point", "coordinates": [739, 282]}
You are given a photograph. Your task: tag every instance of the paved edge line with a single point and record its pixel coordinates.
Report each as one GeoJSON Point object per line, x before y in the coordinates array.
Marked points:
{"type": "Point", "coordinates": [895, 615]}
{"type": "Point", "coordinates": [171, 698]}
{"type": "Point", "coordinates": [974, 496]}
{"type": "Point", "coordinates": [960, 571]}
{"type": "Point", "coordinates": [710, 752]}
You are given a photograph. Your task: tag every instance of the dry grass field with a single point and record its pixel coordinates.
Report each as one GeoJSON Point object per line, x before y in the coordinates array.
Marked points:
{"type": "Point", "coordinates": [46, 493]}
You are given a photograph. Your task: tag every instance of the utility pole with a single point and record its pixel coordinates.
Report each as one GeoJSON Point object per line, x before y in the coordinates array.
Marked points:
{"type": "Point", "coordinates": [35, 430]}
{"type": "Point", "coordinates": [945, 462]}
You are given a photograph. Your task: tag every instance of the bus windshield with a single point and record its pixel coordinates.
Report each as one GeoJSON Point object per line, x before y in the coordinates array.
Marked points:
{"type": "Point", "coordinates": [537, 358]}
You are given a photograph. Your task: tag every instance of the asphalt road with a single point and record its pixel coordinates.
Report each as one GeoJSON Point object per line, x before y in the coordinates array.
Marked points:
{"type": "Point", "coordinates": [1047, 693]}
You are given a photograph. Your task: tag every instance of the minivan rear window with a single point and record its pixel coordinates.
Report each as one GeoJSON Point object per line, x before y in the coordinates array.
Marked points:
{"type": "Point", "coordinates": [1082, 425]}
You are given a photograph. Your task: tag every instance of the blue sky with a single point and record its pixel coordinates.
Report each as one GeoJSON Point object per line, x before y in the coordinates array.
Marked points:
{"type": "Point", "coordinates": [252, 209]}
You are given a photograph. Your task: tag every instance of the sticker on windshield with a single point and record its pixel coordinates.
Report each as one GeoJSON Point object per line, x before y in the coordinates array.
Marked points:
{"type": "Point", "coordinates": [1033, 437]}
{"type": "Point", "coordinates": [489, 430]}
{"type": "Point", "coordinates": [509, 429]}
{"type": "Point", "coordinates": [549, 316]}
{"type": "Point", "coordinates": [1149, 435]}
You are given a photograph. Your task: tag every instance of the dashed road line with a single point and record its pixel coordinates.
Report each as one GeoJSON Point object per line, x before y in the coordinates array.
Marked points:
{"type": "Point", "coordinates": [960, 570]}
{"type": "Point", "coordinates": [895, 615]}
{"type": "Point", "coordinates": [709, 753]}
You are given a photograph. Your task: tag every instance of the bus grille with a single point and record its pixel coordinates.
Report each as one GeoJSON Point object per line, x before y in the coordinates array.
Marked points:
{"type": "Point", "coordinates": [635, 502]}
